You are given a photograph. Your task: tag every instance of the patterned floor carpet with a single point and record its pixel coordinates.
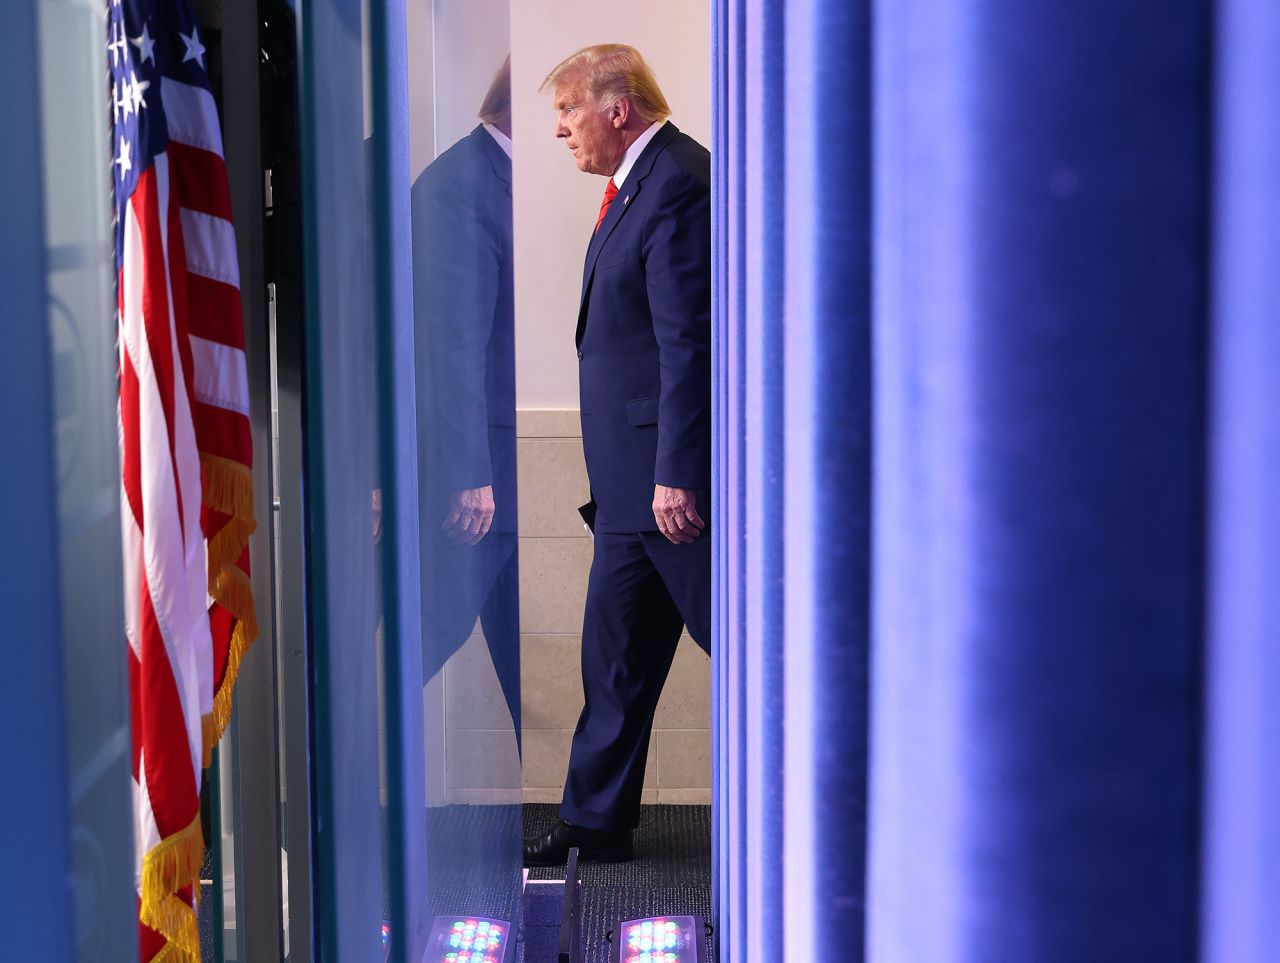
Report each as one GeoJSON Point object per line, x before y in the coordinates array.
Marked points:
{"type": "Point", "coordinates": [670, 875]}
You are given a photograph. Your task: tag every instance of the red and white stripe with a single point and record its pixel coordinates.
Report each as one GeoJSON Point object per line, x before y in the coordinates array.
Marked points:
{"type": "Point", "coordinates": [220, 389]}
{"type": "Point", "coordinates": [183, 395]}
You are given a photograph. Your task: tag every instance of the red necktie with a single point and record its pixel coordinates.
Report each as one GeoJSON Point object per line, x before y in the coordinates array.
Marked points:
{"type": "Point", "coordinates": [610, 192]}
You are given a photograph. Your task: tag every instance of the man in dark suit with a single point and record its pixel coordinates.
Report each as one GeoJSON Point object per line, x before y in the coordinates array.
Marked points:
{"type": "Point", "coordinates": [463, 296]}
{"type": "Point", "coordinates": [644, 353]}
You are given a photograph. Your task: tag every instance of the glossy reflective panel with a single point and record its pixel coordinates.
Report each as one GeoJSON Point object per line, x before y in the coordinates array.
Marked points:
{"type": "Point", "coordinates": [410, 426]}
{"type": "Point", "coordinates": [463, 315]}
{"type": "Point", "coordinates": [341, 429]}
{"type": "Point", "coordinates": [82, 340]}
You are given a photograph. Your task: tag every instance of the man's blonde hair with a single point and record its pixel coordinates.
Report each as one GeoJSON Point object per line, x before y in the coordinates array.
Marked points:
{"type": "Point", "coordinates": [496, 109]}
{"type": "Point", "coordinates": [609, 72]}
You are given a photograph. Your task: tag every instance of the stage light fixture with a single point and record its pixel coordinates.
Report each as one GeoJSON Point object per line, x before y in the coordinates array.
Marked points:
{"type": "Point", "coordinates": [660, 939]}
{"type": "Point", "coordinates": [470, 939]}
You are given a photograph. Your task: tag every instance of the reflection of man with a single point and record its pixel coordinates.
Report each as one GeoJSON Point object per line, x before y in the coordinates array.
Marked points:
{"type": "Point", "coordinates": [644, 331]}
{"type": "Point", "coordinates": [463, 312]}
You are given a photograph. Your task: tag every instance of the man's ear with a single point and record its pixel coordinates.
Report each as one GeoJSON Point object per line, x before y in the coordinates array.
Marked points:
{"type": "Point", "coordinates": [620, 113]}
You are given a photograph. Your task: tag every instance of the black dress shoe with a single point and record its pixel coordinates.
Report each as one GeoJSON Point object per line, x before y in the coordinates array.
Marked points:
{"type": "Point", "coordinates": [601, 845]}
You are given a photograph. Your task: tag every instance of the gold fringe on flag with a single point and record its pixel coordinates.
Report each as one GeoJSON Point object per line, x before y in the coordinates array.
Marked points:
{"type": "Point", "coordinates": [228, 488]}
{"type": "Point", "coordinates": [242, 636]}
{"type": "Point", "coordinates": [168, 866]}
{"type": "Point", "coordinates": [171, 954]}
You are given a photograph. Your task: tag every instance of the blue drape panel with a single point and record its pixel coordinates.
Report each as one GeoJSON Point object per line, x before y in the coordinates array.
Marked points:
{"type": "Point", "coordinates": [1241, 887]}
{"type": "Point", "coordinates": [748, 741]}
{"type": "Point", "coordinates": [793, 482]}
{"type": "Point", "coordinates": [826, 499]}
{"type": "Point", "coordinates": [721, 617]}
{"type": "Point", "coordinates": [729, 769]}
{"type": "Point", "coordinates": [1066, 362]}
{"type": "Point", "coordinates": [1042, 229]}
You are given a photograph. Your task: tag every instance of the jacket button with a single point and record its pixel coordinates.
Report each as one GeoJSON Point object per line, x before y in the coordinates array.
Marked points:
{"type": "Point", "coordinates": [579, 355]}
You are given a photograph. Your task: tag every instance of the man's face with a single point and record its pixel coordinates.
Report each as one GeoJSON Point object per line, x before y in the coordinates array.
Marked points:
{"type": "Point", "coordinates": [597, 145]}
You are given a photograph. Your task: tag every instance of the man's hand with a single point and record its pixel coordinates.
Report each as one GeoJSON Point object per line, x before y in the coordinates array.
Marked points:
{"type": "Point", "coordinates": [677, 513]}
{"type": "Point", "coordinates": [470, 515]}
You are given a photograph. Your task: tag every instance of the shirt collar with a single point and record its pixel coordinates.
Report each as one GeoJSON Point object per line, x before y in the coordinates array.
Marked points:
{"type": "Point", "coordinates": [633, 153]}
{"type": "Point", "coordinates": [503, 140]}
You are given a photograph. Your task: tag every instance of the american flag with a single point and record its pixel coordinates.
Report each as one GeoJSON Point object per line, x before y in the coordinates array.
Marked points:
{"type": "Point", "coordinates": [186, 450]}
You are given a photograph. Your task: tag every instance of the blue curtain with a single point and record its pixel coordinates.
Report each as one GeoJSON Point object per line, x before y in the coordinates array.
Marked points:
{"type": "Point", "coordinates": [793, 391]}
{"type": "Point", "coordinates": [1042, 287]}
{"type": "Point", "coordinates": [1241, 836]}
{"type": "Point", "coordinates": [997, 324]}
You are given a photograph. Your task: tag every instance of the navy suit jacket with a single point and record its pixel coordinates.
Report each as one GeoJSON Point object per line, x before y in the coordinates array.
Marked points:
{"type": "Point", "coordinates": [644, 336]}
{"type": "Point", "coordinates": [464, 313]}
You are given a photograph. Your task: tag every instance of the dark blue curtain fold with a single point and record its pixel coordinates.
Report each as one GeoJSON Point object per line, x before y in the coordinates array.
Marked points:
{"type": "Point", "coordinates": [1241, 837]}
{"type": "Point", "coordinates": [1042, 288]}
{"type": "Point", "coordinates": [998, 324]}
{"type": "Point", "coordinates": [794, 482]}
{"type": "Point", "coordinates": [822, 503]}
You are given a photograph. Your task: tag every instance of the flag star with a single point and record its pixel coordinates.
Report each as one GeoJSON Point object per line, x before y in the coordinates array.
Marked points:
{"type": "Point", "coordinates": [136, 89]}
{"type": "Point", "coordinates": [124, 161]}
{"type": "Point", "coordinates": [115, 101]}
{"type": "Point", "coordinates": [195, 49]}
{"type": "Point", "coordinates": [117, 44]}
{"type": "Point", "coordinates": [124, 99]}
{"type": "Point", "coordinates": [145, 44]}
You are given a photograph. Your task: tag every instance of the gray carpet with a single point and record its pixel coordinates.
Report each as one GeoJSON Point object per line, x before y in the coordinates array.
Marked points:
{"type": "Point", "coordinates": [670, 875]}
{"type": "Point", "coordinates": [474, 854]}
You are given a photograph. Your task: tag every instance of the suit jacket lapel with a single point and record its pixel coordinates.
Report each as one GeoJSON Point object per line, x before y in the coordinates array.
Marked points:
{"type": "Point", "coordinates": [626, 196]}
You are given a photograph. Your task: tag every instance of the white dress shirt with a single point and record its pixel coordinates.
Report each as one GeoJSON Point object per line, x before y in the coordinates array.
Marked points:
{"type": "Point", "coordinates": [633, 153]}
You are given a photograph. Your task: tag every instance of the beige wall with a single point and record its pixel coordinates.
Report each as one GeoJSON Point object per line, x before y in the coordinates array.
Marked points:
{"type": "Point", "coordinates": [556, 204]}
{"type": "Point", "coordinates": [420, 39]}
{"type": "Point", "coordinates": [471, 754]}
{"type": "Point", "coordinates": [555, 554]}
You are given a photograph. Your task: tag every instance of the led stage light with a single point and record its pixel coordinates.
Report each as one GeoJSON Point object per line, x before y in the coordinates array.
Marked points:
{"type": "Point", "coordinates": [660, 939]}
{"type": "Point", "coordinates": [469, 939]}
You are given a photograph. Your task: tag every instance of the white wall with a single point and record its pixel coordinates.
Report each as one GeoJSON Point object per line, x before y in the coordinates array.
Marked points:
{"type": "Point", "coordinates": [555, 204]}
{"type": "Point", "coordinates": [455, 48]}
{"type": "Point", "coordinates": [422, 95]}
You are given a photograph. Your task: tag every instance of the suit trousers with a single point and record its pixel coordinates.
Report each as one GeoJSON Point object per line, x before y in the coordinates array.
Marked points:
{"type": "Point", "coordinates": [641, 592]}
